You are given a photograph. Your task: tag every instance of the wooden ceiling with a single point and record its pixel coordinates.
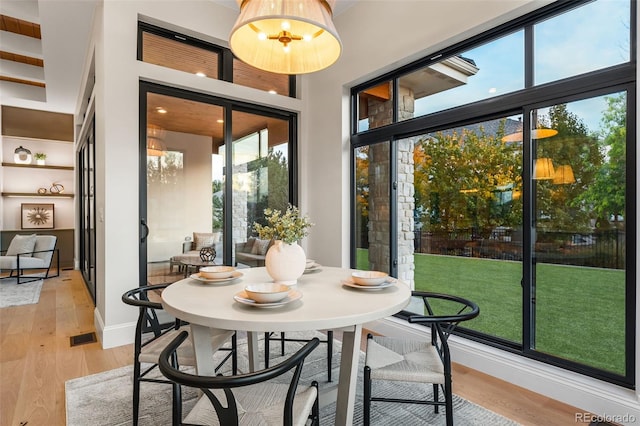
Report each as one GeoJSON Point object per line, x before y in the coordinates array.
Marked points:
{"type": "Point", "coordinates": [27, 29]}
{"type": "Point", "coordinates": [186, 116]}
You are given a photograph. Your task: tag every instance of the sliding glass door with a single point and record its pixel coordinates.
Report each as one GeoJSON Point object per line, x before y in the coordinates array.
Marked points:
{"type": "Point", "coordinates": [190, 199]}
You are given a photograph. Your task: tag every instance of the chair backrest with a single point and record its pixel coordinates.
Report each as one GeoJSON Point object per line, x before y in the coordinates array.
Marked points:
{"type": "Point", "coordinates": [227, 410]}
{"type": "Point", "coordinates": [44, 248]}
{"type": "Point", "coordinates": [147, 318]}
{"type": "Point", "coordinates": [458, 309]}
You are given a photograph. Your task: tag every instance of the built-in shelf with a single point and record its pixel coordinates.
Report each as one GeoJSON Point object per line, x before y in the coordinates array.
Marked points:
{"type": "Point", "coordinates": [36, 195]}
{"type": "Point", "coordinates": [34, 166]}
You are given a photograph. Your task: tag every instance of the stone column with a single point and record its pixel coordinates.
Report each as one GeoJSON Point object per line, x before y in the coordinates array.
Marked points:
{"type": "Point", "coordinates": [380, 113]}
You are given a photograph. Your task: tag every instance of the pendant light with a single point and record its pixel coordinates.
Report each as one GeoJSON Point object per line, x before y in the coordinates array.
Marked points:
{"type": "Point", "coordinates": [155, 141]}
{"type": "Point", "coordinates": [286, 36]}
{"type": "Point", "coordinates": [543, 169]}
{"type": "Point", "coordinates": [564, 175]}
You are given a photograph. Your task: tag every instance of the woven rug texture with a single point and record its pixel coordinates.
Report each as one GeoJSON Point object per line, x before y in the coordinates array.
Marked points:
{"type": "Point", "coordinates": [105, 398]}
{"type": "Point", "coordinates": [12, 294]}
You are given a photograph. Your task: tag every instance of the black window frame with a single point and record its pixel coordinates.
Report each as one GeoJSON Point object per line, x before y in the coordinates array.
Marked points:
{"type": "Point", "coordinates": [225, 56]}
{"type": "Point", "coordinates": [621, 77]}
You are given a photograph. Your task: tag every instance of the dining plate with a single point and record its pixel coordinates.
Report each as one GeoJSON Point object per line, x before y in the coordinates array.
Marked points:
{"type": "Point", "coordinates": [349, 283]}
{"type": "Point", "coordinates": [313, 267]}
{"type": "Point", "coordinates": [235, 275]}
{"type": "Point", "coordinates": [241, 297]}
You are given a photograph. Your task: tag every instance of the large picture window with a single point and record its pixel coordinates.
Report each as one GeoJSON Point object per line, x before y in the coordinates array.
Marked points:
{"type": "Point", "coordinates": [511, 165]}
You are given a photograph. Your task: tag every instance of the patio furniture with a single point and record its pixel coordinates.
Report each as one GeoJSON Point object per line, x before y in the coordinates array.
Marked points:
{"type": "Point", "coordinates": [268, 337]}
{"type": "Point", "coordinates": [250, 398]}
{"type": "Point", "coordinates": [152, 337]}
{"type": "Point", "coordinates": [252, 252]}
{"type": "Point", "coordinates": [30, 252]}
{"type": "Point", "coordinates": [327, 304]}
{"type": "Point", "coordinates": [191, 249]}
{"type": "Point", "coordinates": [401, 360]}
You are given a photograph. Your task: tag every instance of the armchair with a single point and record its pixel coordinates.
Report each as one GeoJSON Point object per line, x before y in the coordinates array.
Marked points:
{"type": "Point", "coordinates": [30, 252]}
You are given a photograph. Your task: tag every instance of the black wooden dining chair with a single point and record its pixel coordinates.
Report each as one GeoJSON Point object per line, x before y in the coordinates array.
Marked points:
{"type": "Point", "coordinates": [251, 398]}
{"type": "Point", "coordinates": [273, 336]}
{"type": "Point", "coordinates": [428, 361]}
{"type": "Point", "coordinates": [152, 336]}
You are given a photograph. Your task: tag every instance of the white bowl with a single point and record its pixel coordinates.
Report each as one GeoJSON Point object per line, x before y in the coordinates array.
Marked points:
{"type": "Point", "coordinates": [369, 277]}
{"type": "Point", "coordinates": [216, 272]}
{"type": "Point", "coordinates": [267, 292]}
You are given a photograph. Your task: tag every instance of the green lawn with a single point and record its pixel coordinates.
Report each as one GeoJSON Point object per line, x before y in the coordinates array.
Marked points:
{"type": "Point", "coordinates": [579, 310]}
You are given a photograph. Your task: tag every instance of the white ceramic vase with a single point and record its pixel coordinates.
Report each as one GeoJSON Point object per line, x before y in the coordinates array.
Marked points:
{"type": "Point", "coordinates": [285, 262]}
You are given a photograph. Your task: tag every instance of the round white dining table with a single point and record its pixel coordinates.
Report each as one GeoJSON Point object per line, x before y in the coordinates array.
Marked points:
{"type": "Point", "coordinates": [325, 304]}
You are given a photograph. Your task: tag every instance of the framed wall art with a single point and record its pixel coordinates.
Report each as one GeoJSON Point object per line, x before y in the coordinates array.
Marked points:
{"type": "Point", "coordinates": [36, 216]}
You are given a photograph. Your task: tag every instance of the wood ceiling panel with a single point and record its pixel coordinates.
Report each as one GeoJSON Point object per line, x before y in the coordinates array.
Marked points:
{"type": "Point", "coordinates": [36, 62]}
{"type": "Point", "coordinates": [179, 56]}
{"type": "Point", "coordinates": [19, 26]}
{"type": "Point", "coordinates": [199, 118]}
{"type": "Point", "coordinates": [30, 123]}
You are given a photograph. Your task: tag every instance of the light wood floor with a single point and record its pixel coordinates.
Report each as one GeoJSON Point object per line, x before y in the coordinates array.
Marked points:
{"type": "Point", "coordinates": [36, 359]}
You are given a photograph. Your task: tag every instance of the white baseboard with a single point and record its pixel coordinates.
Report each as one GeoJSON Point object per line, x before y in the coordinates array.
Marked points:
{"type": "Point", "coordinates": [609, 402]}
{"type": "Point", "coordinates": [114, 336]}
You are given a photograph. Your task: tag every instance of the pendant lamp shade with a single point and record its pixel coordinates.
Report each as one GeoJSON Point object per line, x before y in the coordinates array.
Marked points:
{"type": "Point", "coordinates": [543, 169]}
{"type": "Point", "coordinates": [535, 134]}
{"type": "Point", "coordinates": [564, 175]}
{"type": "Point", "coordinates": [286, 36]}
{"type": "Point", "coordinates": [155, 141]}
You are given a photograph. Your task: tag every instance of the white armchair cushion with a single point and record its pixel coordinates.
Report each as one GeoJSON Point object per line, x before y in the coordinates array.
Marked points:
{"type": "Point", "coordinates": [26, 262]}
{"type": "Point", "coordinates": [22, 244]}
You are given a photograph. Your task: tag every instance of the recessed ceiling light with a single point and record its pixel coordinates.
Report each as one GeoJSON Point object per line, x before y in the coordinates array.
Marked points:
{"type": "Point", "coordinates": [220, 121]}
{"type": "Point", "coordinates": [273, 92]}
{"type": "Point", "coordinates": [161, 110]}
{"type": "Point", "coordinates": [493, 90]}
{"type": "Point", "coordinates": [201, 74]}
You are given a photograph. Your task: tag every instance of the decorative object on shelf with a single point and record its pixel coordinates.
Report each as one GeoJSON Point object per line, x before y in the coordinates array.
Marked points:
{"type": "Point", "coordinates": [42, 191]}
{"type": "Point", "coordinates": [286, 37]}
{"type": "Point", "coordinates": [155, 141]}
{"type": "Point", "coordinates": [207, 254]}
{"type": "Point", "coordinates": [285, 260]}
{"type": "Point", "coordinates": [56, 188]}
{"type": "Point", "coordinates": [40, 158]}
{"type": "Point", "coordinates": [36, 216]}
{"type": "Point", "coordinates": [22, 155]}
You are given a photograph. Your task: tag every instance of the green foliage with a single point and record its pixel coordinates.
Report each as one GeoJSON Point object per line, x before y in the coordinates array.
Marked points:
{"type": "Point", "coordinates": [289, 226]}
{"type": "Point", "coordinates": [462, 180]}
{"type": "Point", "coordinates": [217, 194]}
{"type": "Point", "coordinates": [606, 195]}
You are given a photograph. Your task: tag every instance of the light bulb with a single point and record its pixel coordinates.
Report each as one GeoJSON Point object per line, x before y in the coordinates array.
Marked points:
{"type": "Point", "coordinates": [262, 36]}
{"type": "Point", "coordinates": [286, 49]}
{"type": "Point", "coordinates": [307, 37]}
{"type": "Point", "coordinates": [285, 25]}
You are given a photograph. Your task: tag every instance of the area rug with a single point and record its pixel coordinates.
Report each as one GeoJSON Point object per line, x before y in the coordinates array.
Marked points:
{"type": "Point", "coordinates": [105, 398]}
{"type": "Point", "coordinates": [12, 294]}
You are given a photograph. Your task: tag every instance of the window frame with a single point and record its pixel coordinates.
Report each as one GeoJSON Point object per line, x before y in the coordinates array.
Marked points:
{"type": "Point", "coordinates": [621, 77]}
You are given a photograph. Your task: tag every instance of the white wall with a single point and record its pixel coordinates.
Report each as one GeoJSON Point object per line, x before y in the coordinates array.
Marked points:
{"type": "Point", "coordinates": [186, 208]}
{"type": "Point", "coordinates": [116, 92]}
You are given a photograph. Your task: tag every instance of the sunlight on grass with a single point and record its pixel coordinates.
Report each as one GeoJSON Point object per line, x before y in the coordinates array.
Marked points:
{"type": "Point", "coordinates": [570, 304]}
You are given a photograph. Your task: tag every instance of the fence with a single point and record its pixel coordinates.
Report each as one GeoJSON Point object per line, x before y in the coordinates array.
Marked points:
{"type": "Point", "coordinates": [600, 248]}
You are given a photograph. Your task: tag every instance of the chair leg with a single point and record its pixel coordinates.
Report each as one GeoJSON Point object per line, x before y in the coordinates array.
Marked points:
{"type": "Point", "coordinates": [436, 398]}
{"type": "Point", "coordinates": [448, 401]}
{"type": "Point", "coordinates": [177, 404]}
{"type": "Point", "coordinates": [366, 397]}
{"type": "Point", "coordinates": [136, 392]}
{"type": "Point", "coordinates": [234, 354]}
{"type": "Point", "coordinates": [329, 353]}
{"type": "Point", "coordinates": [266, 349]}
{"type": "Point", "coordinates": [282, 343]}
